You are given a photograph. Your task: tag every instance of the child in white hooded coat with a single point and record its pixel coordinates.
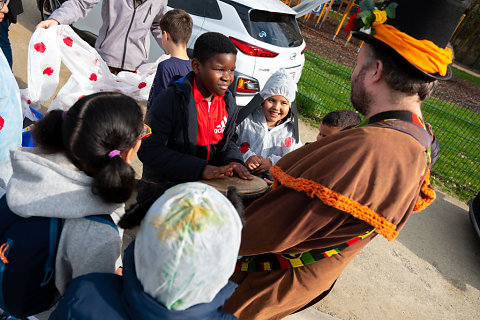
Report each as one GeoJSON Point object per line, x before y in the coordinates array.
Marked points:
{"type": "Point", "coordinates": [267, 133]}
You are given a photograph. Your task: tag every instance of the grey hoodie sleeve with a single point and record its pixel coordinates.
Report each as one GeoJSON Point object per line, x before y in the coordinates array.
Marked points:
{"type": "Point", "coordinates": [73, 10]}
{"type": "Point", "coordinates": [155, 28]}
{"type": "Point", "coordinates": [85, 246]}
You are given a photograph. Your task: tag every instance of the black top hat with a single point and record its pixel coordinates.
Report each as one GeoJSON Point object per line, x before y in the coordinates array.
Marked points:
{"type": "Point", "coordinates": [433, 20]}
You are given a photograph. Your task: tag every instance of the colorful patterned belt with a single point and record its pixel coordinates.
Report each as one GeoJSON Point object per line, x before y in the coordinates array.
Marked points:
{"type": "Point", "coordinates": [272, 261]}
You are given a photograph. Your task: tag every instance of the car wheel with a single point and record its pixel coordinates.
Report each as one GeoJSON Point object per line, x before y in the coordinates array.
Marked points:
{"type": "Point", "coordinates": [48, 6]}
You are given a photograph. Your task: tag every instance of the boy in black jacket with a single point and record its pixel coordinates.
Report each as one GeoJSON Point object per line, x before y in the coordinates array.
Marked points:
{"type": "Point", "coordinates": [193, 121]}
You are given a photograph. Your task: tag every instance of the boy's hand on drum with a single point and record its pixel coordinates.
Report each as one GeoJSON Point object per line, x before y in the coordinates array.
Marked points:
{"type": "Point", "coordinates": [254, 162]}
{"type": "Point", "coordinates": [212, 172]}
{"type": "Point", "coordinates": [241, 171]}
{"type": "Point", "coordinates": [265, 165]}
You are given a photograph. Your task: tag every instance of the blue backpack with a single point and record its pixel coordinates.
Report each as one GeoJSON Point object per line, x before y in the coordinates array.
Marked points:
{"type": "Point", "coordinates": [28, 248]}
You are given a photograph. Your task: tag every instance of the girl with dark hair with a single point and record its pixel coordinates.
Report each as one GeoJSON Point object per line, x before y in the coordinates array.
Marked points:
{"type": "Point", "coordinates": [80, 169]}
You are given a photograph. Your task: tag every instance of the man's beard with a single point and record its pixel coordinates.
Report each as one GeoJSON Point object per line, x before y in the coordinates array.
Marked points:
{"type": "Point", "coordinates": [359, 97]}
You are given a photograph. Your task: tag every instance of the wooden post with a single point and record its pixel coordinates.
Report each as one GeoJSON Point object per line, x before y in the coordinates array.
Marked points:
{"type": "Point", "coordinates": [345, 15]}
{"type": "Point", "coordinates": [328, 11]}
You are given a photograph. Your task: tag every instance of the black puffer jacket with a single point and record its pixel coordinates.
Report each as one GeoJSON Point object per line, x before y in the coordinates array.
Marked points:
{"type": "Point", "coordinates": [170, 155]}
{"type": "Point", "coordinates": [15, 7]}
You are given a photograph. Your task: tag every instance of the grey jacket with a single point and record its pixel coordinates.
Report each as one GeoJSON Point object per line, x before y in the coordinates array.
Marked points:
{"type": "Point", "coordinates": [51, 186]}
{"type": "Point", "coordinates": [123, 40]}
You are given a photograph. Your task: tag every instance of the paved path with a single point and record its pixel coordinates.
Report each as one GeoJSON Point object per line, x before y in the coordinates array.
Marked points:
{"type": "Point", "coordinates": [467, 70]}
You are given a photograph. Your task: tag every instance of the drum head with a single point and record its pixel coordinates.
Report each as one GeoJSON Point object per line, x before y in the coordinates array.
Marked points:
{"type": "Point", "coordinates": [244, 187]}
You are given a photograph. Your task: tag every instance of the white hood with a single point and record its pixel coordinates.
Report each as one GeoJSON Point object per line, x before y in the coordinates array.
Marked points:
{"type": "Point", "coordinates": [51, 186]}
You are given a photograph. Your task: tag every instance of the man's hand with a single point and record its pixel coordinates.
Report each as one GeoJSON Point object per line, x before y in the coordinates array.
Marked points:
{"type": "Point", "coordinates": [254, 162]}
{"type": "Point", "coordinates": [241, 171]}
{"type": "Point", "coordinates": [212, 172]}
{"type": "Point", "coordinates": [264, 166]}
{"type": "Point", "coordinates": [47, 24]}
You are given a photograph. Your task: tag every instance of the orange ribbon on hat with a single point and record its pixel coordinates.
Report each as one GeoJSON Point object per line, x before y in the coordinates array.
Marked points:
{"type": "Point", "coordinates": [423, 54]}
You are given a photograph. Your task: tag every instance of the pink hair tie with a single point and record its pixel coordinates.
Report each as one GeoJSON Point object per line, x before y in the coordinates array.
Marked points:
{"type": "Point", "coordinates": [114, 153]}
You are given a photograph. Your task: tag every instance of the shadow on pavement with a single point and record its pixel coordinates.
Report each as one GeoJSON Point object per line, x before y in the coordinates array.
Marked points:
{"type": "Point", "coordinates": [442, 236]}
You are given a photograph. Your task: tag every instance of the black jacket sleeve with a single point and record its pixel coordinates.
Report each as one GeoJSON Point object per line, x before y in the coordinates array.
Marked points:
{"type": "Point", "coordinates": [230, 152]}
{"type": "Point", "coordinates": [15, 8]}
{"type": "Point", "coordinates": [157, 152]}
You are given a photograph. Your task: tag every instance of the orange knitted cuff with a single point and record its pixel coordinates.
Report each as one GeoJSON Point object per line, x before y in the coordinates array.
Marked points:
{"type": "Point", "coordinates": [427, 194]}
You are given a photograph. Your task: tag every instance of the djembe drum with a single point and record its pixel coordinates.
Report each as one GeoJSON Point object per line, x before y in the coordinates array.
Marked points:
{"type": "Point", "coordinates": [249, 190]}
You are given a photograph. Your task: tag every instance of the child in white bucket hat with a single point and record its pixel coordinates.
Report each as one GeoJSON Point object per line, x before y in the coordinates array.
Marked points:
{"type": "Point", "coordinates": [177, 268]}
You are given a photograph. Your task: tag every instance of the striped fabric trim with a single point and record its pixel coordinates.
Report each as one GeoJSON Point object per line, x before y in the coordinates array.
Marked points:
{"type": "Point", "coordinates": [272, 261]}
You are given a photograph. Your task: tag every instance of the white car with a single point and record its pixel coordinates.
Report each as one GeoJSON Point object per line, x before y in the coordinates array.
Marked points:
{"type": "Point", "coordinates": [265, 32]}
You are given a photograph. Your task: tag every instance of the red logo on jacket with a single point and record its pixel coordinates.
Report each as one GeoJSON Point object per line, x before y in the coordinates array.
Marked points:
{"type": "Point", "coordinates": [221, 126]}
{"type": "Point", "coordinates": [288, 141]}
{"type": "Point", "coordinates": [244, 147]}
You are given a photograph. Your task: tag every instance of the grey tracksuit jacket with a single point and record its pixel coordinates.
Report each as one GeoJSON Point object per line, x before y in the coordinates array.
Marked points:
{"type": "Point", "coordinates": [51, 186]}
{"type": "Point", "coordinates": [123, 40]}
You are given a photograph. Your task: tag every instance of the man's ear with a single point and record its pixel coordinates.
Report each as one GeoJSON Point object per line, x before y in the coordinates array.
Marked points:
{"type": "Point", "coordinates": [378, 71]}
{"type": "Point", "coordinates": [196, 66]}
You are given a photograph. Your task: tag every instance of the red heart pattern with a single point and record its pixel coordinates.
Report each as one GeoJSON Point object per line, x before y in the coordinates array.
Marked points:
{"type": "Point", "coordinates": [48, 71]}
{"type": "Point", "coordinates": [40, 47]}
{"type": "Point", "coordinates": [68, 41]}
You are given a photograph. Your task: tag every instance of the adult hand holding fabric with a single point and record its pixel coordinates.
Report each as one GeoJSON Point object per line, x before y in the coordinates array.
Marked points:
{"type": "Point", "coordinates": [45, 24]}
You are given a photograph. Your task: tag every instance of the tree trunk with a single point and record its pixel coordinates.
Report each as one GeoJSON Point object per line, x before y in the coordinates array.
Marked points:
{"type": "Point", "coordinates": [465, 41]}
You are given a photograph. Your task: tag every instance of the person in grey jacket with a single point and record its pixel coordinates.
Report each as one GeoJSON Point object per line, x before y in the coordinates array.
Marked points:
{"type": "Point", "coordinates": [80, 168]}
{"type": "Point", "coordinates": [123, 40]}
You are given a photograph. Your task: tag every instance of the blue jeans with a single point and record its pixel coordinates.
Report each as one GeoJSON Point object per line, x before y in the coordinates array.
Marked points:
{"type": "Point", "coordinates": [5, 42]}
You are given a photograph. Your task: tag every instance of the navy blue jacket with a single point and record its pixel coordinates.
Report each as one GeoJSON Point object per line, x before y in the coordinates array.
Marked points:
{"type": "Point", "coordinates": [109, 296]}
{"type": "Point", "coordinates": [170, 154]}
{"type": "Point", "coordinates": [15, 7]}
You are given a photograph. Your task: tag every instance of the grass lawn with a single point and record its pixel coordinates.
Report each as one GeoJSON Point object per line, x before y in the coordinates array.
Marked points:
{"type": "Point", "coordinates": [325, 86]}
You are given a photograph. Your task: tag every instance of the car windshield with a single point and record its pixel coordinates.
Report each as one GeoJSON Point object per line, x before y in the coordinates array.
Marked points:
{"type": "Point", "coordinates": [277, 29]}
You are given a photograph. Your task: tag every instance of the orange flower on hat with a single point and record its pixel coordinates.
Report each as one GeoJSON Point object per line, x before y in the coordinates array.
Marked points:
{"type": "Point", "coordinates": [380, 17]}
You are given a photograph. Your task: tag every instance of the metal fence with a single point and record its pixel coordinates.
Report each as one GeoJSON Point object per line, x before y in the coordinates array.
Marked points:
{"type": "Point", "coordinates": [325, 86]}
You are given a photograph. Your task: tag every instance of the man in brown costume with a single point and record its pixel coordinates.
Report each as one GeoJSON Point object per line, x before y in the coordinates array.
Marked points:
{"type": "Point", "coordinates": [332, 197]}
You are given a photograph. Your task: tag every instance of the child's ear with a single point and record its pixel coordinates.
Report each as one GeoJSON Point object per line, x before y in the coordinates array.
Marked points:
{"type": "Point", "coordinates": [196, 66]}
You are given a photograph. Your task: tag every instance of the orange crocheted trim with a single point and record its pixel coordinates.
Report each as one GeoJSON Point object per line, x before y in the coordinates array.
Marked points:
{"type": "Point", "coordinates": [337, 201]}
{"type": "Point", "coordinates": [427, 194]}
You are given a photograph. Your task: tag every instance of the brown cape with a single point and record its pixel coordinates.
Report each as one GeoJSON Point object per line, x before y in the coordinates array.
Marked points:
{"type": "Point", "coordinates": [373, 172]}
